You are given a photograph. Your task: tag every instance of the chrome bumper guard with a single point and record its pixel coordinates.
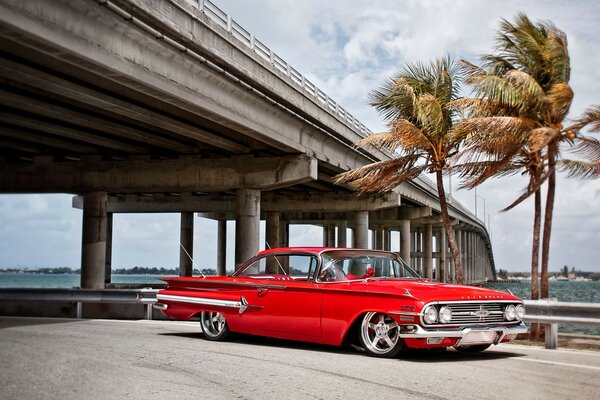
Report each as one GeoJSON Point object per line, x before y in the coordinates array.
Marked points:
{"type": "Point", "coordinates": [160, 306]}
{"type": "Point", "coordinates": [502, 331]}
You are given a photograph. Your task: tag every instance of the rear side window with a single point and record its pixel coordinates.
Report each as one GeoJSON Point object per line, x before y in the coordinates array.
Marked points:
{"type": "Point", "coordinates": [300, 266]}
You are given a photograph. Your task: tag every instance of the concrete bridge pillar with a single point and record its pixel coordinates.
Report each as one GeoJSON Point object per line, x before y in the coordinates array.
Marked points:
{"type": "Point", "coordinates": [186, 248]}
{"type": "Point", "coordinates": [387, 239]}
{"type": "Point", "coordinates": [470, 256]}
{"type": "Point", "coordinates": [443, 265]}
{"type": "Point", "coordinates": [379, 238]}
{"type": "Point", "coordinates": [361, 230]}
{"type": "Point", "coordinates": [272, 235]}
{"type": "Point", "coordinates": [247, 224]}
{"type": "Point", "coordinates": [459, 243]}
{"type": "Point", "coordinates": [329, 235]}
{"type": "Point", "coordinates": [428, 251]}
{"type": "Point", "coordinates": [221, 246]}
{"type": "Point", "coordinates": [342, 233]}
{"type": "Point", "coordinates": [419, 250]}
{"type": "Point", "coordinates": [108, 259]}
{"type": "Point", "coordinates": [405, 240]}
{"type": "Point", "coordinates": [284, 233]}
{"type": "Point", "coordinates": [93, 248]}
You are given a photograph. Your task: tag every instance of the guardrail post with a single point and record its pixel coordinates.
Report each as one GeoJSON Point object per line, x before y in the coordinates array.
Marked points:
{"type": "Point", "coordinates": [149, 311]}
{"type": "Point", "coordinates": [551, 331]}
{"type": "Point", "coordinates": [79, 309]}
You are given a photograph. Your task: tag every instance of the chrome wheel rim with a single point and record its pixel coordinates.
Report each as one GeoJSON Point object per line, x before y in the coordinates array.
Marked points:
{"type": "Point", "coordinates": [380, 333]}
{"type": "Point", "coordinates": [213, 323]}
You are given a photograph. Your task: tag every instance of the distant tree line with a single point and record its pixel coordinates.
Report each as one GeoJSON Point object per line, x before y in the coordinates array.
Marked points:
{"type": "Point", "coordinates": [119, 271]}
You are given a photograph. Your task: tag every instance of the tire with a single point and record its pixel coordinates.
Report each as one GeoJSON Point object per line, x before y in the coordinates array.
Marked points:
{"type": "Point", "coordinates": [214, 325]}
{"type": "Point", "coordinates": [478, 348]}
{"type": "Point", "coordinates": [380, 335]}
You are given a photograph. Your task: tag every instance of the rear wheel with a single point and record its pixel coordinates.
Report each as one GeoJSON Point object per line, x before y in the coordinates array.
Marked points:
{"type": "Point", "coordinates": [380, 335]}
{"type": "Point", "coordinates": [214, 325]}
{"type": "Point", "coordinates": [478, 348]}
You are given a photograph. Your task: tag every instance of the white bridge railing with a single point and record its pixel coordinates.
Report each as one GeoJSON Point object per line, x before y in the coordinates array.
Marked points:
{"type": "Point", "coordinates": [236, 30]}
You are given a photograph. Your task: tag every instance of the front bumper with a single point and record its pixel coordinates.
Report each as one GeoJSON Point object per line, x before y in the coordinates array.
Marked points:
{"type": "Point", "coordinates": [472, 335]}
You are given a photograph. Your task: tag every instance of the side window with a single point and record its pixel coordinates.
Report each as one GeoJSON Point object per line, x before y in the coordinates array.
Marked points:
{"type": "Point", "coordinates": [302, 266]}
{"type": "Point", "coordinates": [295, 265]}
{"type": "Point", "coordinates": [258, 267]}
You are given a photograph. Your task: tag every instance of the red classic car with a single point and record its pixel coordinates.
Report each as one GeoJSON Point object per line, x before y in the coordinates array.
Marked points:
{"type": "Point", "coordinates": [341, 296]}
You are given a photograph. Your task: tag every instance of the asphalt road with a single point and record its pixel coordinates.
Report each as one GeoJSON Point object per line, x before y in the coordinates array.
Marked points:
{"type": "Point", "coordinates": [109, 359]}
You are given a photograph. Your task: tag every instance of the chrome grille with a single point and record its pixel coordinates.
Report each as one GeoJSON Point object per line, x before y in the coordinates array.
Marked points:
{"type": "Point", "coordinates": [473, 312]}
{"type": "Point", "coordinates": [465, 313]}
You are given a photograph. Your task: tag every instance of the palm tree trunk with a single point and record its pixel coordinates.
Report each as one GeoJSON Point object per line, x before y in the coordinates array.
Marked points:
{"type": "Point", "coordinates": [449, 230]}
{"type": "Point", "coordinates": [535, 257]}
{"type": "Point", "coordinates": [548, 218]}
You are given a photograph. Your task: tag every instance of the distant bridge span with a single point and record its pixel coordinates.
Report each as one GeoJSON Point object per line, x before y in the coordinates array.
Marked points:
{"type": "Point", "coordinates": [171, 106]}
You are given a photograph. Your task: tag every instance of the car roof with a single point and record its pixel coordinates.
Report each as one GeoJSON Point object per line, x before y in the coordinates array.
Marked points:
{"type": "Point", "coordinates": [314, 250]}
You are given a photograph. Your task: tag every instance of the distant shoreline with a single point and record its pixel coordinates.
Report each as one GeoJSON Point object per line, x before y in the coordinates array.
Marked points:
{"type": "Point", "coordinates": [120, 271]}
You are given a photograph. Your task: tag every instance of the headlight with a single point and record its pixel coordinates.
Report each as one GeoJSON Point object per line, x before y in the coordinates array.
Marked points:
{"type": "Point", "coordinates": [445, 314]}
{"type": "Point", "coordinates": [520, 309]}
{"type": "Point", "coordinates": [430, 315]}
{"type": "Point", "coordinates": [510, 313]}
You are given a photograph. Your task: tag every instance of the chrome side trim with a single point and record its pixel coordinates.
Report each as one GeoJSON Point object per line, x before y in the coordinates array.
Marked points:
{"type": "Point", "coordinates": [460, 333]}
{"type": "Point", "coordinates": [241, 305]}
{"type": "Point", "coordinates": [414, 314]}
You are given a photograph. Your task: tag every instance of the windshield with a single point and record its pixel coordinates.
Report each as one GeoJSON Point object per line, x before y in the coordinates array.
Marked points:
{"type": "Point", "coordinates": [345, 265]}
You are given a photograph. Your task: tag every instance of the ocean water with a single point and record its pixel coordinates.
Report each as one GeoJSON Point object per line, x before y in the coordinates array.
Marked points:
{"type": "Point", "coordinates": [568, 291]}
{"type": "Point", "coordinates": [27, 280]}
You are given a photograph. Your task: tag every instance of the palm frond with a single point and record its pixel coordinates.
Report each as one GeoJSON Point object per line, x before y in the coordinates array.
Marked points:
{"type": "Point", "coordinates": [539, 138]}
{"type": "Point", "coordinates": [497, 88]}
{"type": "Point", "coordinates": [589, 119]}
{"type": "Point", "coordinates": [382, 176]}
{"type": "Point", "coordinates": [527, 86]}
{"type": "Point", "coordinates": [557, 52]}
{"type": "Point", "coordinates": [531, 188]}
{"type": "Point", "coordinates": [490, 127]}
{"type": "Point", "coordinates": [580, 169]}
{"type": "Point", "coordinates": [497, 65]}
{"type": "Point", "coordinates": [477, 107]}
{"type": "Point", "coordinates": [558, 101]}
{"type": "Point", "coordinates": [403, 135]}
{"type": "Point", "coordinates": [589, 148]}
{"type": "Point", "coordinates": [430, 115]}
{"type": "Point", "coordinates": [395, 99]}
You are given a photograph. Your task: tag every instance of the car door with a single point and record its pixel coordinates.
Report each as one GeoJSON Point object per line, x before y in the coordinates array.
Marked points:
{"type": "Point", "coordinates": [283, 300]}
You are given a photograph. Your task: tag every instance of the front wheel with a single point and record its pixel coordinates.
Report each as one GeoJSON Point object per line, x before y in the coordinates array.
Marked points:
{"type": "Point", "coordinates": [380, 335]}
{"type": "Point", "coordinates": [478, 348]}
{"type": "Point", "coordinates": [214, 325]}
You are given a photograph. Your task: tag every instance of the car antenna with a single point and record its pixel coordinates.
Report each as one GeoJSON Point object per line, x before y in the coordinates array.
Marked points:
{"type": "Point", "coordinates": [192, 260]}
{"type": "Point", "coordinates": [276, 259]}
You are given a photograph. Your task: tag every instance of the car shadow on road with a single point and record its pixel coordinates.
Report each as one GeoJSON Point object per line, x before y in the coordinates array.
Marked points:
{"type": "Point", "coordinates": [413, 355]}
{"type": "Point", "coordinates": [453, 356]}
{"type": "Point", "coordinates": [268, 342]}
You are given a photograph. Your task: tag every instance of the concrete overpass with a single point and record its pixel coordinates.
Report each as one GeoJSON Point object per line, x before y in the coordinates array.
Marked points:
{"type": "Point", "coordinates": [171, 106]}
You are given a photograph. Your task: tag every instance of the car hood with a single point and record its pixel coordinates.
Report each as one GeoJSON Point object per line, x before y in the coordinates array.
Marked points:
{"type": "Point", "coordinates": [427, 291]}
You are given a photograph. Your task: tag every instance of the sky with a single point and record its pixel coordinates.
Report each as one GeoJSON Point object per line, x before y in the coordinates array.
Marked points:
{"type": "Point", "coordinates": [348, 48]}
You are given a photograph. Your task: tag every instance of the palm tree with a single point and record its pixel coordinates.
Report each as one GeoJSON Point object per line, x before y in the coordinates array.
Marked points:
{"type": "Point", "coordinates": [517, 121]}
{"type": "Point", "coordinates": [415, 104]}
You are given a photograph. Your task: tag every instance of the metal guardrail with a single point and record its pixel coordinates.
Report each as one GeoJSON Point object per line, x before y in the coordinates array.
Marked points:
{"type": "Point", "coordinates": [551, 313]}
{"type": "Point", "coordinates": [236, 30]}
{"type": "Point", "coordinates": [80, 296]}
